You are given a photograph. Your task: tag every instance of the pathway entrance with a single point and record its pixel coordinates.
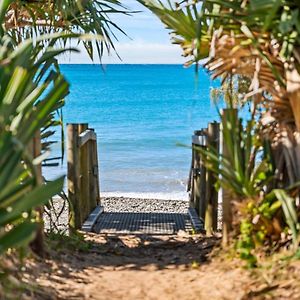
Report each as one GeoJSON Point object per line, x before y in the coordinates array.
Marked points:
{"type": "Point", "coordinates": [129, 216]}
{"type": "Point", "coordinates": [143, 217]}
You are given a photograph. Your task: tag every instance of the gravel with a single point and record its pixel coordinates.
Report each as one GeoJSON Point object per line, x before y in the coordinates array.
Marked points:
{"type": "Point", "coordinates": [124, 204]}
{"type": "Point", "coordinates": [56, 215]}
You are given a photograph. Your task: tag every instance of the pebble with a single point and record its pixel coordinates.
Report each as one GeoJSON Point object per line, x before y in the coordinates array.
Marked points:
{"type": "Point", "coordinates": [122, 204]}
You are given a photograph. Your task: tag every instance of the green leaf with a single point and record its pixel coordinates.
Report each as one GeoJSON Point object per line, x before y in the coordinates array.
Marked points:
{"type": "Point", "coordinates": [18, 236]}
{"type": "Point", "coordinates": [38, 196]}
{"type": "Point", "coordinates": [290, 213]}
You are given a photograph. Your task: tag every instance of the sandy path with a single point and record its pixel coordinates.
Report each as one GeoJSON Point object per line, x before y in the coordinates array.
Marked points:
{"type": "Point", "coordinates": [165, 267]}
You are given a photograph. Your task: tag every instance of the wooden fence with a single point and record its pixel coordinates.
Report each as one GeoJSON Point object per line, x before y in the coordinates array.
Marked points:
{"type": "Point", "coordinates": [204, 197]}
{"type": "Point", "coordinates": [83, 173]}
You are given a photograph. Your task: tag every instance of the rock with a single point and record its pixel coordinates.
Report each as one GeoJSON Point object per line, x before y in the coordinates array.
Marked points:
{"type": "Point", "coordinates": [182, 233]}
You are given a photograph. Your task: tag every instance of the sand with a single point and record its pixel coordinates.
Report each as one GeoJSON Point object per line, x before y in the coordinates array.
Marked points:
{"type": "Point", "coordinates": [164, 267]}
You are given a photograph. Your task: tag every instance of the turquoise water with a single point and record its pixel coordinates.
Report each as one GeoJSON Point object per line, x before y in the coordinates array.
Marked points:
{"type": "Point", "coordinates": [140, 114]}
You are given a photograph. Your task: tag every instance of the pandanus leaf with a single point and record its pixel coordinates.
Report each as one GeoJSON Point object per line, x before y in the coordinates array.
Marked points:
{"type": "Point", "coordinates": [18, 236]}
{"type": "Point", "coordinates": [290, 213]}
{"type": "Point", "coordinates": [26, 105]}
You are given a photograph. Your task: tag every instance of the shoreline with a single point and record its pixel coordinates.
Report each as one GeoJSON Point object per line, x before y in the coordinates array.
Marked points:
{"type": "Point", "coordinates": [181, 195]}
{"type": "Point", "coordinates": [171, 196]}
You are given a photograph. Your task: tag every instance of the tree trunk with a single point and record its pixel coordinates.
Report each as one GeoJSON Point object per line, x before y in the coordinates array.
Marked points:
{"type": "Point", "coordinates": [37, 245]}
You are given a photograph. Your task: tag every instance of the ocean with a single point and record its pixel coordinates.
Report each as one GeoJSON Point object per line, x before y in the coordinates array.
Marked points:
{"type": "Point", "coordinates": [141, 113]}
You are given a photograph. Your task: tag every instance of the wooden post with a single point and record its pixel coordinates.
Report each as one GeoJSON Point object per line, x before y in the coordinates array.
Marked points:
{"type": "Point", "coordinates": [196, 173]}
{"type": "Point", "coordinates": [199, 173]}
{"type": "Point", "coordinates": [203, 171]}
{"type": "Point", "coordinates": [73, 176]}
{"type": "Point", "coordinates": [190, 187]}
{"type": "Point", "coordinates": [94, 195]}
{"type": "Point", "coordinates": [84, 176]}
{"type": "Point", "coordinates": [228, 115]}
{"type": "Point", "coordinates": [96, 172]}
{"type": "Point", "coordinates": [211, 215]}
{"type": "Point", "coordinates": [37, 244]}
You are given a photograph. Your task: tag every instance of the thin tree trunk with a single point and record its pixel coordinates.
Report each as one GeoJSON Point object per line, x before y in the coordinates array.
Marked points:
{"type": "Point", "coordinates": [37, 245]}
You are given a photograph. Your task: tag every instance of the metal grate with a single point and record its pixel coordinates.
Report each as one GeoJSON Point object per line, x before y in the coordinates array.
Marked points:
{"type": "Point", "coordinates": [142, 223]}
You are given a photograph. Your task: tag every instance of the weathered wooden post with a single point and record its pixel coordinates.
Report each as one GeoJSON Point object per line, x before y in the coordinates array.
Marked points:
{"type": "Point", "coordinates": [195, 195]}
{"type": "Point", "coordinates": [73, 176]}
{"type": "Point", "coordinates": [203, 172]}
{"type": "Point", "coordinates": [190, 185]}
{"type": "Point", "coordinates": [229, 116]}
{"type": "Point", "coordinates": [84, 173]}
{"type": "Point", "coordinates": [211, 214]}
{"type": "Point", "coordinates": [83, 176]}
{"type": "Point", "coordinates": [199, 172]}
{"type": "Point", "coordinates": [94, 173]}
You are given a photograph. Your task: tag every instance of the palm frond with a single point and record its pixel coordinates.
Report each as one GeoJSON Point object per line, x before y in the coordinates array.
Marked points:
{"type": "Point", "coordinates": [31, 18]}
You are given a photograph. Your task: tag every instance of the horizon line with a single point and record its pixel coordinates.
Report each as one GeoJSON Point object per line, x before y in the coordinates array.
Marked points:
{"type": "Point", "coordinates": [103, 63]}
{"type": "Point", "coordinates": [128, 64]}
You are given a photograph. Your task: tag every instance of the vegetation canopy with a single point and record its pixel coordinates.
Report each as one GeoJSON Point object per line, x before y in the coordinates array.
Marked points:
{"type": "Point", "coordinates": [31, 18]}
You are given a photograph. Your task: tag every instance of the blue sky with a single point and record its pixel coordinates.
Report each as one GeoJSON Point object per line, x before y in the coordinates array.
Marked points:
{"type": "Point", "coordinates": [149, 41]}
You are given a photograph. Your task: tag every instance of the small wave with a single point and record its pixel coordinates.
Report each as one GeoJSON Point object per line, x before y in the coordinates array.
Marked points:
{"type": "Point", "coordinates": [161, 196]}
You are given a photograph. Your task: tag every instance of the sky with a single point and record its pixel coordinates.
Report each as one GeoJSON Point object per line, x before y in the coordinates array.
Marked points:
{"type": "Point", "coordinates": [148, 41]}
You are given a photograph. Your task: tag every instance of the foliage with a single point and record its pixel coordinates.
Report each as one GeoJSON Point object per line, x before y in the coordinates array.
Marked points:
{"type": "Point", "coordinates": [246, 167]}
{"type": "Point", "coordinates": [262, 224]}
{"type": "Point", "coordinates": [31, 90]}
{"type": "Point", "coordinates": [290, 213]}
{"type": "Point", "coordinates": [195, 22]}
{"type": "Point", "coordinates": [59, 242]}
{"type": "Point", "coordinates": [233, 92]}
{"type": "Point", "coordinates": [27, 18]}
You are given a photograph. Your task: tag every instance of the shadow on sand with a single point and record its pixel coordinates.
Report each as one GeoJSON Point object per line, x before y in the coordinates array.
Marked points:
{"type": "Point", "coordinates": [132, 252]}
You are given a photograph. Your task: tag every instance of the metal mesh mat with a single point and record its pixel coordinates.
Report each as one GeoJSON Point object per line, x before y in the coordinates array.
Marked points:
{"type": "Point", "coordinates": [142, 223]}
